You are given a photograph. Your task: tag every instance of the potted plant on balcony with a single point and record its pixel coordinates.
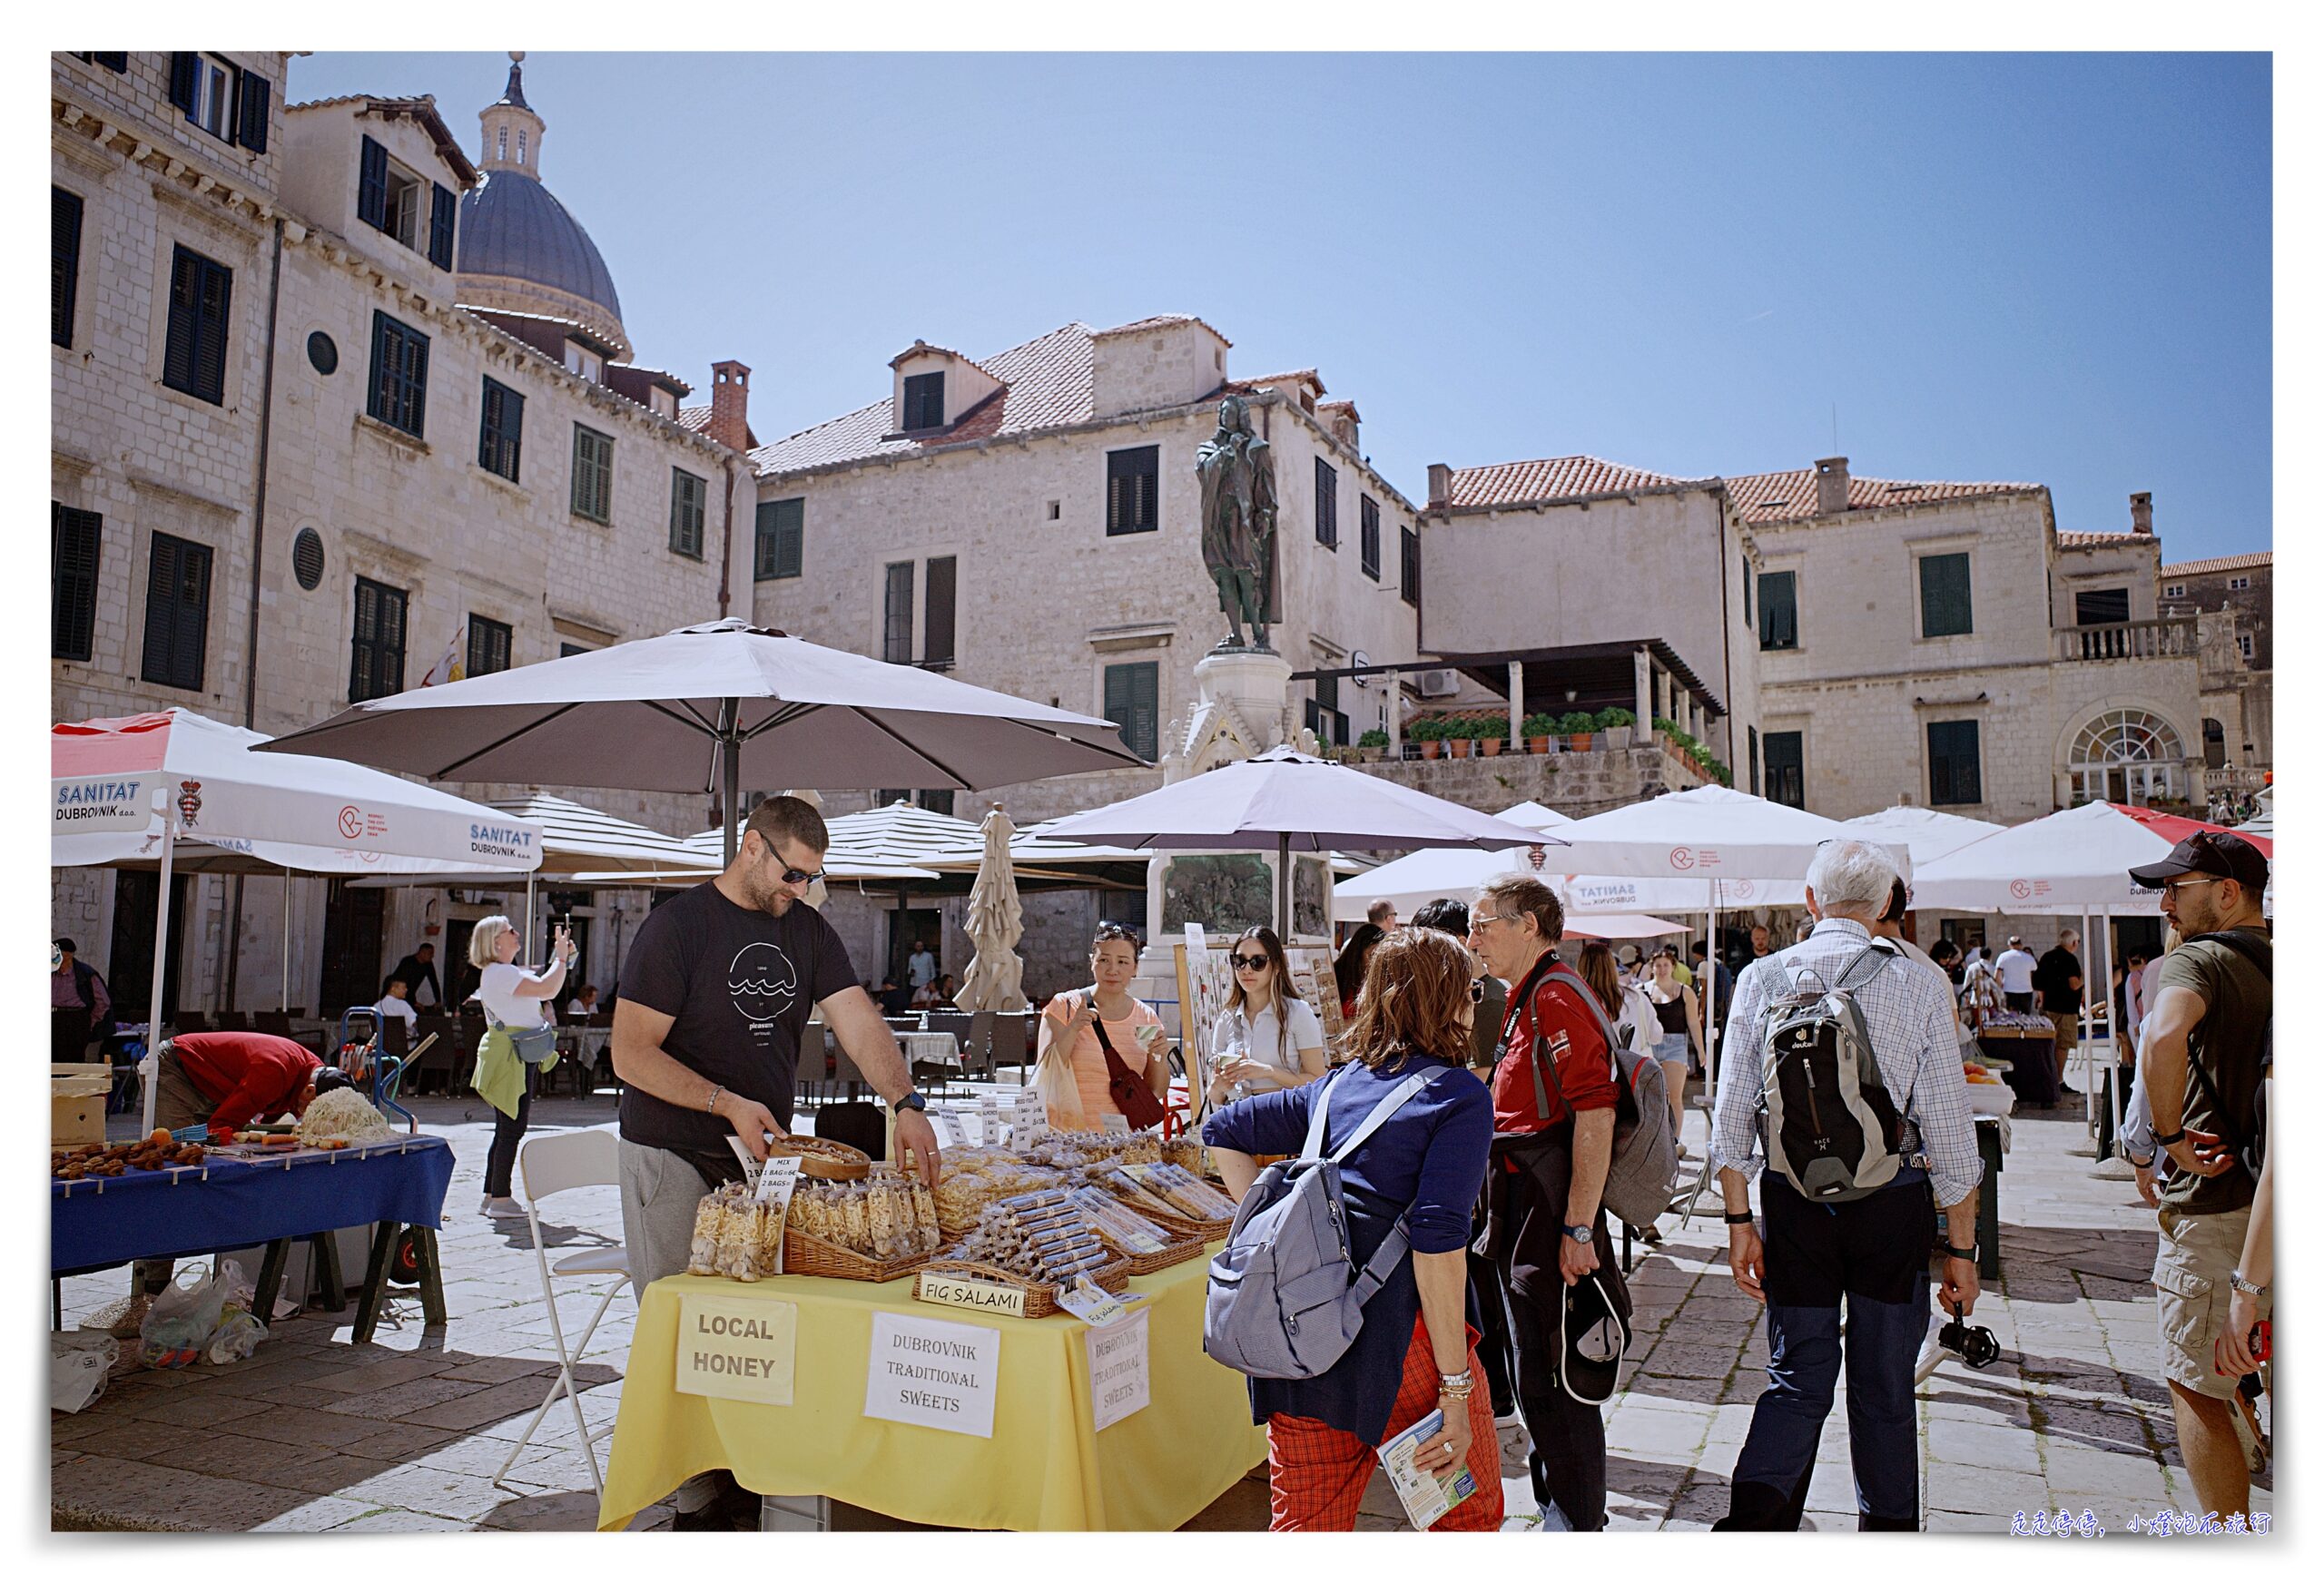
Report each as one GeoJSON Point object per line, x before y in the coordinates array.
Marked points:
{"type": "Point", "coordinates": [1540, 734]}
{"type": "Point", "coordinates": [1430, 735]}
{"type": "Point", "coordinates": [1616, 723]}
{"type": "Point", "coordinates": [1372, 747]}
{"type": "Point", "coordinates": [1577, 728]}
{"type": "Point", "coordinates": [1491, 736]}
{"type": "Point", "coordinates": [1460, 738]}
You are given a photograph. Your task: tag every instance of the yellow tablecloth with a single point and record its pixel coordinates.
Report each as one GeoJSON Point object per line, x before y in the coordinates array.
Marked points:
{"type": "Point", "coordinates": [1045, 1468]}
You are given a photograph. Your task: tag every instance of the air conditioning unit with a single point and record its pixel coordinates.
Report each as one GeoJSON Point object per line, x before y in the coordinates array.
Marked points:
{"type": "Point", "coordinates": [1438, 684]}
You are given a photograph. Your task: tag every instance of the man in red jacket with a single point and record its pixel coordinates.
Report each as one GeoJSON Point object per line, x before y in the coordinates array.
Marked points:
{"type": "Point", "coordinates": [231, 1079]}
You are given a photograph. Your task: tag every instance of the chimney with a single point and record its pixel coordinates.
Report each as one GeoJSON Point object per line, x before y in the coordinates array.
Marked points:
{"type": "Point", "coordinates": [730, 405]}
{"type": "Point", "coordinates": [2142, 513]}
{"type": "Point", "coordinates": [1831, 485]}
{"type": "Point", "coordinates": [1440, 485]}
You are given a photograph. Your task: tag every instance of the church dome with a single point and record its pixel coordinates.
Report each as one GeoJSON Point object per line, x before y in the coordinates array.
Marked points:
{"type": "Point", "coordinates": [520, 249]}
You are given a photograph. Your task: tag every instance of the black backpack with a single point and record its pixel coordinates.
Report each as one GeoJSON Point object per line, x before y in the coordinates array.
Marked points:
{"type": "Point", "coordinates": [2253, 1150]}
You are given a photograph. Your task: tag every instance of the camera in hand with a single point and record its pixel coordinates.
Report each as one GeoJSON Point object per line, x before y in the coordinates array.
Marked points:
{"type": "Point", "coordinates": [1974, 1343]}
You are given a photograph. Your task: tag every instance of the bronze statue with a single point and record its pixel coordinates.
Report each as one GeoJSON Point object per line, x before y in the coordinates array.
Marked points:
{"type": "Point", "coordinates": [1237, 472]}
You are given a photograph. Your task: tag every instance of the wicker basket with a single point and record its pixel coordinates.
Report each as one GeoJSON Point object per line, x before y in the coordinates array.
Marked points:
{"type": "Point", "coordinates": [1180, 1225]}
{"type": "Point", "coordinates": [824, 1158]}
{"type": "Point", "coordinates": [1176, 1252]}
{"type": "Point", "coordinates": [804, 1253]}
{"type": "Point", "coordinates": [1041, 1299]}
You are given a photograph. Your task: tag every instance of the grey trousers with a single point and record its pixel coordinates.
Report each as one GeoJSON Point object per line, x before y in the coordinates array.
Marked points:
{"type": "Point", "coordinates": [659, 1193]}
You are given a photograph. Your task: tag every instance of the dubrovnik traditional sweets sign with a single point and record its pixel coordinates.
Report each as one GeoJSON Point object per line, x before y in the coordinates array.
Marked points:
{"type": "Point", "coordinates": [933, 1373]}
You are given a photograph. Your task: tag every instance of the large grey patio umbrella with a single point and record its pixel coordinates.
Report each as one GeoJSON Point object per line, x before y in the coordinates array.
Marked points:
{"type": "Point", "coordinates": [1285, 801]}
{"type": "Point", "coordinates": [710, 708]}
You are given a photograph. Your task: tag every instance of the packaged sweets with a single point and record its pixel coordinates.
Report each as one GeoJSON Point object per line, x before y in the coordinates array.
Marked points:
{"type": "Point", "coordinates": [885, 1217]}
{"type": "Point", "coordinates": [1118, 1223]}
{"type": "Point", "coordinates": [1185, 1193]}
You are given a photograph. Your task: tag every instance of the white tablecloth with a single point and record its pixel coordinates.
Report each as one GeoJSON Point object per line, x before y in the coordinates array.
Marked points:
{"type": "Point", "coordinates": [941, 1048]}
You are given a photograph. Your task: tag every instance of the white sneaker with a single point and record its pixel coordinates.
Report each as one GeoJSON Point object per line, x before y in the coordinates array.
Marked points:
{"type": "Point", "coordinates": [503, 1209]}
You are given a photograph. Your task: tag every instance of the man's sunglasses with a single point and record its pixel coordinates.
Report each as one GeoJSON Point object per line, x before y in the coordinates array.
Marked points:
{"type": "Point", "coordinates": [792, 876]}
{"type": "Point", "coordinates": [1476, 991]}
{"type": "Point", "coordinates": [1254, 964]}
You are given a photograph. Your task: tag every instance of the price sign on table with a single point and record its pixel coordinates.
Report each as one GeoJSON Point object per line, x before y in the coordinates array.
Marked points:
{"type": "Point", "coordinates": [1119, 1383]}
{"type": "Point", "coordinates": [932, 1372]}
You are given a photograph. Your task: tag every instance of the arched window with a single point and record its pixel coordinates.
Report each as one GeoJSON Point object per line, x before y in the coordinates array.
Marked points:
{"type": "Point", "coordinates": [520, 145]}
{"type": "Point", "coordinates": [2126, 755]}
{"type": "Point", "coordinates": [2214, 745]}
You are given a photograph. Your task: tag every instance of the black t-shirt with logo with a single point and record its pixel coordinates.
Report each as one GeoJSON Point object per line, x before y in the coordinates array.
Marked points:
{"type": "Point", "coordinates": [741, 985]}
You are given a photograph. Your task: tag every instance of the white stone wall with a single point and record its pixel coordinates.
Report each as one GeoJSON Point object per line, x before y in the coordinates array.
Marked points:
{"type": "Point", "coordinates": [1166, 364]}
{"type": "Point", "coordinates": [1044, 603]}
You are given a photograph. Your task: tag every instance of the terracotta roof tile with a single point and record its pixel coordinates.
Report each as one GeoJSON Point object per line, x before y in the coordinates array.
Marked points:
{"type": "Point", "coordinates": [1048, 385]}
{"type": "Point", "coordinates": [1791, 497]}
{"type": "Point", "coordinates": [696, 419]}
{"type": "Point", "coordinates": [1553, 478]}
{"type": "Point", "coordinates": [2256, 560]}
{"type": "Point", "coordinates": [1307, 375]}
{"type": "Point", "coordinates": [2098, 541]}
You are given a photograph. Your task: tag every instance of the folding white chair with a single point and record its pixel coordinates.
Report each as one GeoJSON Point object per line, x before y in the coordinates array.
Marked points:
{"type": "Point", "coordinates": [551, 1165]}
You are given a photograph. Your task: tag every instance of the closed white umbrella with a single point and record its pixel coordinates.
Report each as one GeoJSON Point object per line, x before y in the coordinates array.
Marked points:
{"type": "Point", "coordinates": [996, 975]}
{"type": "Point", "coordinates": [1288, 802]}
{"type": "Point", "coordinates": [714, 707]}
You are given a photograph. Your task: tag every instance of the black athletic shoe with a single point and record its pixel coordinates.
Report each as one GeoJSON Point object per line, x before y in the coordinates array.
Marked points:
{"type": "Point", "coordinates": [735, 1511]}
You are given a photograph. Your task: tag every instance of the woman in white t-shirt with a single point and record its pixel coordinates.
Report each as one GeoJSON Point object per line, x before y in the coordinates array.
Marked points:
{"type": "Point", "coordinates": [514, 999]}
{"type": "Point", "coordinates": [1268, 1038]}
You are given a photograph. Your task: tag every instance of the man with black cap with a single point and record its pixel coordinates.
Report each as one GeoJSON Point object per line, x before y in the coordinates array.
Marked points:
{"type": "Point", "coordinates": [2207, 1050]}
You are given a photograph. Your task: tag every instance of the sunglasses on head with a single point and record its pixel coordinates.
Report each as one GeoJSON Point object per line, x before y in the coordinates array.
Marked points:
{"type": "Point", "coordinates": [1253, 963]}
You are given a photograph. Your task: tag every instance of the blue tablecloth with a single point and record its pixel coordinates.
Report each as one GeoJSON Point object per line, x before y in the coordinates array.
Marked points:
{"type": "Point", "coordinates": [223, 1203]}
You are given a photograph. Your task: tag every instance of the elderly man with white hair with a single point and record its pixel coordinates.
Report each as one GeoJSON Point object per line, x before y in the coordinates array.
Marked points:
{"type": "Point", "coordinates": [1873, 1252]}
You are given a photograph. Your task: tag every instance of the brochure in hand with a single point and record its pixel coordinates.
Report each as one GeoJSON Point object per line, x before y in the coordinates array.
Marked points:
{"type": "Point", "coordinates": [1426, 1496]}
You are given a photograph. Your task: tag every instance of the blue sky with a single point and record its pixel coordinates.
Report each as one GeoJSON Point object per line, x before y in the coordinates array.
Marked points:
{"type": "Point", "coordinates": [2052, 268]}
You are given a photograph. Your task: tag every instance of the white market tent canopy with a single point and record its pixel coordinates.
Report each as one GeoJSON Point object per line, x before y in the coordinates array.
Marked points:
{"type": "Point", "coordinates": [575, 839]}
{"type": "Point", "coordinates": [2075, 861]}
{"type": "Point", "coordinates": [1927, 833]}
{"type": "Point", "coordinates": [116, 783]}
{"type": "Point", "coordinates": [1711, 833]}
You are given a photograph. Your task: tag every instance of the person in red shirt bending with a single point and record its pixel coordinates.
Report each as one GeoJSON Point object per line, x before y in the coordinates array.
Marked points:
{"type": "Point", "coordinates": [1553, 1100]}
{"type": "Point", "coordinates": [231, 1079]}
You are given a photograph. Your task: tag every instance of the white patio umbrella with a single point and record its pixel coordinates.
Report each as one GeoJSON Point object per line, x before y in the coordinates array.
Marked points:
{"type": "Point", "coordinates": [712, 708]}
{"type": "Point", "coordinates": [1927, 833]}
{"type": "Point", "coordinates": [195, 776]}
{"type": "Point", "coordinates": [996, 975]}
{"type": "Point", "coordinates": [2072, 863]}
{"type": "Point", "coordinates": [1412, 881]}
{"type": "Point", "coordinates": [1711, 835]}
{"type": "Point", "coordinates": [1287, 802]}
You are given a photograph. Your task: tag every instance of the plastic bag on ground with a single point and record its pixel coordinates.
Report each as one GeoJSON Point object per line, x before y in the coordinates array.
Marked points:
{"type": "Point", "coordinates": [177, 1328]}
{"type": "Point", "coordinates": [78, 1363]}
{"type": "Point", "coordinates": [236, 1337]}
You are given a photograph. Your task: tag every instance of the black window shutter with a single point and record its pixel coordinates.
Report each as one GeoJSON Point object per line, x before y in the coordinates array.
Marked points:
{"type": "Point", "coordinates": [177, 610]}
{"type": "Point", "coordinates": [112, 59]}
{"type": "Point", "coordinates": [73, 581]}
{"type": "Point", "coordinates": [372, 192]}
{"type": "Point", "coordinates": [254, 101]}
{"type": "Point", "coordinates": [416, 379]}
{"type": "Point", "coordinates": [439, 227]}
{"type": "Point", "coordinates": [943, 580]}
{"type": "Point", "coordinates": [183, 66]}
{"type": "Point", "coordinates": [63, 262]}
{"type": "Point", "coordinates": [161, 579]}
{"type": "Point", "coordinates": [193, 614]}
{"type": "Point", "coordinates": [215, 302]}
{"type": "Point", "coordinates": [790, 537]}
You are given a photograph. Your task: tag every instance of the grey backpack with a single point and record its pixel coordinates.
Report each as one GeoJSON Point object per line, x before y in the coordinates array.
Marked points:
{"type": "Point", "coordinates": [1642, 1171]}
{"type": "Point", "coordinates": [1832, 1130]}
{"type": "Point", "coordinates": [1286, 1300]}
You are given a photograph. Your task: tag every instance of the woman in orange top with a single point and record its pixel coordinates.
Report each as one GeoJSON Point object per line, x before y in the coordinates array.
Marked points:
{"type": "Point", "coordinates": [1072, 1075]}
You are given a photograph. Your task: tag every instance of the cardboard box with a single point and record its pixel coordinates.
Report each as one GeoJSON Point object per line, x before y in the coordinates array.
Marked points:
{"type": "Point", "coordinates": [76, 1104]}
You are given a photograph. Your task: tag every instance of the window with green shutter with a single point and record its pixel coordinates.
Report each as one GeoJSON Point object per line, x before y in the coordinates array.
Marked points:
{"type": "Point", "coordinates": [1945, 595]}
{"type": "Point", "coordinates": [895, 633]}
{"type": "Point", "coordinates": [202, 296]}
{"type": "Point", "coordinates": [1133, 704]}
{"type": "Point", "coordinates": [500, 438]}
{"type": "Point", "coordinates": [376, 669]}
{"type": "Point", "coordinates": [936, 643]}
{"type": "Point", "coordinates": [1327, 504]}
{"type": "Point", "coordinates": [780, 548]}
{"type": "Point", "coordinates": [1779, 611]}
{"type": "Point", "coordinates": [1787, 768]}
{"type": "Point", "coordinates": [63, 262]}
{"type": "Point", "coordinates": [688, 498]}
{"type": "Point", "coordinates": [592, 474]}
{"type": "Point", "coordinates": [1408, 564]}
{"type": "Point", "coordinates": [1368, 531]}
{"type": "Point", "coordinates": [73, 537]}
{"type": "Point", "coordinates": [371, 185]}
{"type": "Point", "coordinates": [443, 217]}
{"type": "Point", "coordinates": [1952, 774]}
{"type": "Point", "coordinates": [399, 393]}
{"type": "Point", "coordinates": [177, 613]}
{"type": "Point", "coordinates": [1133, 490]}
{"type": "Point", "coordinates": [923, 401]}
{"type": "Point", "coordinates": [488, 643]}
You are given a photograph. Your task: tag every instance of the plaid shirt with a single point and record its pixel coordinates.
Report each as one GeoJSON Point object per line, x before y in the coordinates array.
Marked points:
{"type": "Point", "coordinates": [1907, 1010]}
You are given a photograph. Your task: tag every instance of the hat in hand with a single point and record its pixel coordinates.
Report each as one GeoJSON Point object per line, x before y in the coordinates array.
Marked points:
{"type": "Point", "coordinates": [2220, 854]}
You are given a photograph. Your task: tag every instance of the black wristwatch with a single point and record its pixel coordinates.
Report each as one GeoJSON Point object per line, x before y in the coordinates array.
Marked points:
{"type": "Point", "coordinates": [2167, 1139]}
{"type": "Point", "coordinates": [1584, 1234]}
{"type": "Point", "coordinates": [914, 1099]}
{"type": "Point", "coordinates": [1742, 1219]}
{"type": "Point", "coordinates": [1968, 1254]}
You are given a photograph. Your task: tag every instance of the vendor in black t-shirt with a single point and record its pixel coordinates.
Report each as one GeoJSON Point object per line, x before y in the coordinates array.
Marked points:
{"type": "Point", "coordinates": [714, 998]}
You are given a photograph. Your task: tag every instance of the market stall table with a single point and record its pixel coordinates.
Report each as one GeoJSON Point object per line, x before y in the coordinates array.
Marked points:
{"type": "Point", "coordinates": [2026, 1061]}
{"type": "Point", "coordinates": [225, 1203]}
{"type": "Point", "coordinates": [1046, 1467]}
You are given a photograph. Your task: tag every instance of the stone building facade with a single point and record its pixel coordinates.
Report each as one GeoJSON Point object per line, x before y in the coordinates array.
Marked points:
{"type": "Point", "coordinates": [2233, 596]}
{"type": "Point", "coordinates": [346, 474]}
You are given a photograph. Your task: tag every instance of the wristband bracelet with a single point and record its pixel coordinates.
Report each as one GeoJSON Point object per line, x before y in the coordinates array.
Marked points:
{"type": "Point", "coordinates": [711, 1104]}
{"type": "Point", "coordinates": [1742, 1219]}
{"type": "Point", "coordinates": [1968, 1254]}
{"type": "Point", "coordinates": [2235, 1279]}
{"type": "Point", "coordinates": [2165, 1140]}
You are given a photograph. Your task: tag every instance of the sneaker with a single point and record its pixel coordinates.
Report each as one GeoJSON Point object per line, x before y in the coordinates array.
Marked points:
{"type": "Point", "coordinates": [503, 1209]}
{"type": "Point", "coordinates": [1682, 1151]}
{"type": "Point", "coordinates": [733, 1510]}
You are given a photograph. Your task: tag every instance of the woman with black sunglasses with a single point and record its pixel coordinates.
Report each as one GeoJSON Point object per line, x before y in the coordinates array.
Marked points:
{"type": "Point", "coordinates": [1268, 1038]}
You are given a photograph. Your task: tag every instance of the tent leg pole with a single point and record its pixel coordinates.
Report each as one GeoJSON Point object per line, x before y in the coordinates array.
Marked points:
{"type": "Point", "coordinates": [1283, 888]}
{"type": "Point", "coordinates": [528, 917]}
{"type": "Point", "coordinates": [730, 773]}
{"type": "Point", "coordinates": [286, 942]}
{"type": "Point", "coordinates": [150, 1067]}
{"type": "Point", "coordinates": [1710, 1000]}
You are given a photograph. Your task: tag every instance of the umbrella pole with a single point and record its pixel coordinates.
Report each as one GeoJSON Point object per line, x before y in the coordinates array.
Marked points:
{"type": "Point", "coordinates": [1710, 998]}
{"type": "Point", "coordinates": [150, 1067]}
{"type": "Point", "coordinates": [1283, 887]}
{"type": "Point", "coordinates": [286, 941]}
{"type": "Point", "coordinates": [730, 772]}
{"type": "Point", "coordinates": [529, 915]}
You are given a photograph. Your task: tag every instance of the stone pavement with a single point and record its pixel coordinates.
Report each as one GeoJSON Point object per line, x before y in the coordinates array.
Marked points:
{"type": "Point", "coordinates": [405, 1434]}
